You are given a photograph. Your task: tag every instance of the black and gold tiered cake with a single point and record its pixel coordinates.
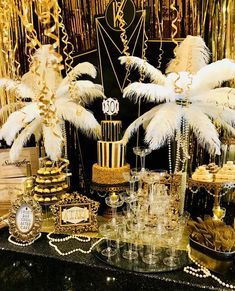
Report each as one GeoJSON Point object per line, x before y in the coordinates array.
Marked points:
{"type": "Point", "coordinates": [111, 163]}
{"type": "Point", "coordinates": [51, 182]}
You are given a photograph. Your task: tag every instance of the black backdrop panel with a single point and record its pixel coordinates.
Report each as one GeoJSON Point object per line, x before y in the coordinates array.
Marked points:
{"type": "Point", "coordinates": [128, 113]}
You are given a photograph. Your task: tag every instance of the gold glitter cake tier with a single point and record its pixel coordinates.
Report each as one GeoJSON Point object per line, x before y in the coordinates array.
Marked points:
{"type": "Point", "coordinates": [109, 176]}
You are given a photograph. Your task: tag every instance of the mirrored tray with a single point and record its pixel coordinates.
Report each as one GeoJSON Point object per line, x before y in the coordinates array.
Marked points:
{"type": "Point", "coordinates": [137, 265]}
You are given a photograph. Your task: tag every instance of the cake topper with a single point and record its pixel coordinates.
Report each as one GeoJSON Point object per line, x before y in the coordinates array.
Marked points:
{"type": "Point", "coordinates": [110, 106]}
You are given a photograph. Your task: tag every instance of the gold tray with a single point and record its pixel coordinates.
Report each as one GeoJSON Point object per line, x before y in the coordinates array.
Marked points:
{"type": "Point", "coordinates": [219, 262]}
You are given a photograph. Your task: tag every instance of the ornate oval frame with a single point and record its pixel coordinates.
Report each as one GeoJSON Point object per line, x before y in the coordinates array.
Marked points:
{"type": "Point", "coordinates": [37, 219]}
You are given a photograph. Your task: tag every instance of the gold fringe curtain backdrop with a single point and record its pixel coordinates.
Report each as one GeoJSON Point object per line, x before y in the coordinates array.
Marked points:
{"type": "Point", "coordinates": [216, 24]}
{"type": "Point", "coordinates": [213, 19]}
{"type": "Point", "coordinates": [79, 18]}
{"type": "Point", "coordinates": [10, 54]}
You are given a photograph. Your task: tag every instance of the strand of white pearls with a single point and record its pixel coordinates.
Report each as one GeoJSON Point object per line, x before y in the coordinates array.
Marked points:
{"type": "Point", "coordinates": [81, 238]}
{"type": "Point", "coordinates": [177, 158]}
{"type": "Point", "coordinates": [169, 155]}
{"type": "Point", "coordinates": [219, 195]}
{"type": "Point", "coordinates": [205, 272]}
{"type": "Point", "coordinates": [185, 142]}
{"type": "Point", "coordinates": [26, 244]}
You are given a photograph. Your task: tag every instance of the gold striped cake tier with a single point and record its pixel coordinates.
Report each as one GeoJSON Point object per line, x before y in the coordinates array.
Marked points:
{"type": "Point", "coordinates": [111, 154]}
{"type": "Point", "coordinates": [111, 130]}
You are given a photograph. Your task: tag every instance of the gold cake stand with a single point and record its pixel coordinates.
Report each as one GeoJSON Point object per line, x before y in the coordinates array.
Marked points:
{"type": "Point", "coordinates": [103, 189]}
{"type": "Point", "coordinates": [219, 189]}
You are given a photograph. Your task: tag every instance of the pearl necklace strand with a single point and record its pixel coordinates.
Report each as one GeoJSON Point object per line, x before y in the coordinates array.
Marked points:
{"type": "Point", "coordinates": [205, 272]}
{"type": "Point", "coordinates": [81, 238]}
{"type": "Point", "coordinates": [26, 244]}
{"type": "Point", "coordinates": [169, 155]}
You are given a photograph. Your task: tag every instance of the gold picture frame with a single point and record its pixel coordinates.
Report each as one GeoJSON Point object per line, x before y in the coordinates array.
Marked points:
{"type": "Point", "coordinates": [25, 219]}
{"type": "Point", "coordinates": [75, 214]}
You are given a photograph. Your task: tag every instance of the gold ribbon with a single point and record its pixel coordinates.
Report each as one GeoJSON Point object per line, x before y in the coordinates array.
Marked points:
{"type": "Point", "coordinates": [124, 39]}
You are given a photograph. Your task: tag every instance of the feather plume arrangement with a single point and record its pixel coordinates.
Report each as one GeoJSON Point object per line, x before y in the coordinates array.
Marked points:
{"type": "Point", "coordinates": [150, 71]}
{"type": "Point", "coordinates": [29, 119]}
{"type": "Point", "coordinates": [189, 94]}
{"type": "Point", "coordinates": [193, 53]}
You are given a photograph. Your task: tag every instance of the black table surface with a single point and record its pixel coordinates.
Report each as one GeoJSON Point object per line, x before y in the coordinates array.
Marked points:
{"type": "Point", "coordinates": [40, 267]}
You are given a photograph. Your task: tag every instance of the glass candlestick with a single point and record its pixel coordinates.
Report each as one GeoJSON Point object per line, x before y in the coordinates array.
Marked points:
{"type": "Point", "coordinates": [114, 202]}
{"type": "Point", "coordinates": [142, 152]}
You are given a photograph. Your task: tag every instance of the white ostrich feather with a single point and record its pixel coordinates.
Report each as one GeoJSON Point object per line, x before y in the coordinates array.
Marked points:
{"type": "Point", "coordinates": [149, 70]}
{"type": "Point", "coordinates": [132, 128]}
{"type": "Point", "coordinates": [220, 96]}
{"type": "Point", "coordinates": [151, 92]}
{"type": "Point", "coordinates": [222, 113]}
{"type": "Point", "coordinates": [23, 137]}
{"type": "Point", "coordinates": [52, 78]}
{"type": "Point", "coordinates": [163, 125]}
{"type": "Point", "coordinates": [181, 80]}
{"type": "Point", "coordinates": [230, 130]}
{"type": "Point", "coordinates": [213, 75]}
{"type": "Point", "coordinates": [46, 54]}
{"type": "Point", "coordinates": [38, 133]}
{"type": "Point", "coordinates": [44, 57]}
{"type": "Point", "coordinates": [80, 69]}
{"type": "Point", "coordinates": [191, 55]}
{"type": "Point", "coordinates": [203, 129]}
{"type": "Point", "coordinates": [226, 119]}
{"type": "Point", "coordinates": [11, 127]}
{"type": "Point", "coordinates": [22, 90]}
{"type": "Point", "coordinates": [30, 111]}
{"type": "Point", "coordinates": [17, 121]}
{"type": "Point", "coordinates": [9, 108]}
{"type": "Point", "coordinates": [79, 117]}
{"type": "Point", "coordinates": [53, 141]}
{"type": "Point", "coordinates": [85, 91]}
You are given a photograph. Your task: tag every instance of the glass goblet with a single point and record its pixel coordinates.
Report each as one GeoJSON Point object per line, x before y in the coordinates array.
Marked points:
{"type": "Point", "coordinates": [109, 233]}
{"type": "Point", "coordinates": [150, 255]}
{"type": "Point", "coordinates": [142, 152]}
{"type": "Point", "coordinates": [129, 198]}
{"type": "Point", "coordinates": [174, 237]}
{"type": "Point", "coordinates": [129, 236]}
